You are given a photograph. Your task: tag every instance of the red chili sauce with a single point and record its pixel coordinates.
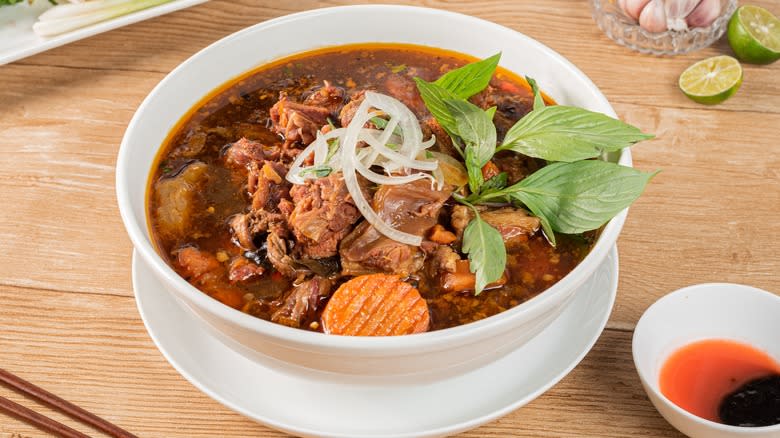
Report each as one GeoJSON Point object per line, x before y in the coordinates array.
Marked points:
{"type": "Point", "coordinates": [706, 377]}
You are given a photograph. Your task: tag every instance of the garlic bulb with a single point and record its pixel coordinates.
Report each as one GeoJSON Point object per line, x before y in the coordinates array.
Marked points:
{"type": "Point", "coordinates": [653, 16]}
{"type": "Point", "coordinates": [632, 8]}
{"type": "Point", "coordinates": [677, 15]}
{"type": "Point", "coordinates": [676, 11]}
{"type": "Point", "coordinates": [704, 14]}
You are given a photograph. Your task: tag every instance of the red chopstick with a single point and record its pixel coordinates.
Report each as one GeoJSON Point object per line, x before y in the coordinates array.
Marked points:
{"type": "Point", "coordinates": [24, 387]}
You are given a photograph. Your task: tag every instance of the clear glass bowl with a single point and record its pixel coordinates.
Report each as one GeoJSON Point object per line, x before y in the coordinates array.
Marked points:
{"type": "Point", "coordinates": [625, 31]}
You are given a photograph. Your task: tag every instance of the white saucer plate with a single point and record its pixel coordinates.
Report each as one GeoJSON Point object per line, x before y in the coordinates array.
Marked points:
{"type": "Point", "coordinates": [310, 407]}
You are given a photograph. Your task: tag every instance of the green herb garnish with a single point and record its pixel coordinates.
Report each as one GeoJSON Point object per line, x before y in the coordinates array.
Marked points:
{"type": "Point", "coordinates": [382, 124]}
{"type": "Point", "coordinates": [485, 248]}
{"type": "Point", "coordinates": [567, 133]}
{"type": "Point", "coordinates": [475, 128]}
{"type": "Point", "coordinates": [398, 68]}
{"type": "Point", "coordinates": [470, 79]}
{"type": "Point", "coordinates": [538, 99]}
{"type": "Point", "coordinates": [571, 195]}
{"type": "Point", "coordinates": [575, 197]}
{"type": "Point", "coordinates": [320, 171]}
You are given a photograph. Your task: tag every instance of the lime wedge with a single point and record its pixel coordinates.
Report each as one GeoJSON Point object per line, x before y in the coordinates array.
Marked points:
{"type": "Point", "coordinates": [712, 80]}
{"type": "Point", "coordinates": [754, 35]}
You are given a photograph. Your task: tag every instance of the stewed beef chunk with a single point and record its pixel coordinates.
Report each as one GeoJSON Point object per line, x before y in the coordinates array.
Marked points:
{"type": "Point", "coordinates": [243, 152]}
{"type": "Point", "coordinates": [302, 302]}
{"type": "Point", "coordinates": [323, 214]}
{"type": "Point", "coordinates": [348, 111]}
{"type": "Point", "coordinates": [278, 255]}
{"type": "Point", "coordinates": [514, 224]}
{"type": "Point", "coordinates": [297, 122]}
{"type": "Point", "coordinates": [243, 269]}
{"type": "Point", "coordinates": [329, 97]}
{"type": "Point", "coordinates": [413, 208]}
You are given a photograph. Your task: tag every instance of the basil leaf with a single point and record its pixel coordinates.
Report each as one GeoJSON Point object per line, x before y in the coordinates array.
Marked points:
{"type": "Point", "coordinates": [473, 170]}
{"type": "Point", "coordinates": [333, 147]}
{"type": "Point", "coordinates": [581, 196]}
{"type": "Point", "coordinates": [538, 99]}
{"type": "Point", "coordinates": [497, 182]}
{"type": "Point", "coordinates": [491, 111]}
{"type": "Point", "coordinates": [566, 133]}
{"type": "Point", "coordinates": [485, 248]}
{"type": "Point", "coordinates": [470, 79]}
{"type": "Point", "coordinates": [474, 127]}
{"type": "Point", "coordinates": [434, 97]}
{"type": "Point", "coordinates": [320, 171]}
{"type": "Point", "coordinates": [536, 208]}
{"type": "Point", "coordinates": [382, 124]}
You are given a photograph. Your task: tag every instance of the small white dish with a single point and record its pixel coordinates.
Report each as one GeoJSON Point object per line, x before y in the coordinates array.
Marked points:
{"type": "Point", "coordinates": [705, 311]}
{"type": "Point", "coordinates": [307, 406]}
{"type": "Point", "coordinates": [17, 39]}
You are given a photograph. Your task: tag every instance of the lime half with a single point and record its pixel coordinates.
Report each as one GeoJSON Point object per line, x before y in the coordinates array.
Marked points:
{"type": "Point", "coordinates": [754, 35]}
{"type": "Point", "coordinates": [712, 80]}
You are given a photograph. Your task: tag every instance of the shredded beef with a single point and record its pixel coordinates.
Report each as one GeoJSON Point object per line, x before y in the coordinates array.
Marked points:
{"type": "Point", "coordinates": [348, 111]}
{"type": "Point", "coordinates": [302, 302]}
{"type": "Point", "coordinates": [404, 89]}
{"type": "Point", "coordinates": [278, 255]}
{"type": "Point", "coordinates": [323, 214]}
{"type": "Point", "coordinates": [297, 122]}
{"type": "Point", "coordinates": [329, 97]}
{"type": "Point", "coordinates": [242, 269]}
{"type": "Point", "coordinates": [443, 259]}
{"type": "Point", "coordinates": [243, 152]}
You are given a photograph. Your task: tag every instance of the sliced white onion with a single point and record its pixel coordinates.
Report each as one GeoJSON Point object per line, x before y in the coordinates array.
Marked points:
{"type": "Point", "coordinates": [395, 156]}
{"type": "Point", "coordinates": [387, 180]}
{"type": "Point", "coordinates": [361, 148]}
{"type": "Point", "coordinates": [348, 159]}
{"type": "Point", "coordinates": [293, 174]}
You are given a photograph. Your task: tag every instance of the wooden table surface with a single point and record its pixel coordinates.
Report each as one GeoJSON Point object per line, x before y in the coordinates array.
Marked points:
{"type": "Point", "coordinates": [68, 320]}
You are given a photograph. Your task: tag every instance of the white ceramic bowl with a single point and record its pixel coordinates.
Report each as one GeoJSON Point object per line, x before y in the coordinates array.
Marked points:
{"type": "Point", "coordinates": [705, 311]}
{"type": "Point", "coordinates": [425, 355]}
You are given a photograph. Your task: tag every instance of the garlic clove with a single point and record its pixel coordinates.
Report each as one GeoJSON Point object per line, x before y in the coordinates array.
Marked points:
{"type": "Point", "coordinates": [676, 11]}
{"type": "Point", "coordinates": [653, 17]}
{"type": "Point", "coordinates": [704, 14]}
{"type": "Point", "coordinates": [633, 8]}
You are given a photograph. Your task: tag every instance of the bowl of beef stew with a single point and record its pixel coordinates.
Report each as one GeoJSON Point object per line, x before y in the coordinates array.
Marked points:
{"type": "Point", "coordinates": [356, 190]}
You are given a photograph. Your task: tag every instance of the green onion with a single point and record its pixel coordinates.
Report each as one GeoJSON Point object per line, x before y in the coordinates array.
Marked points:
{"type": "Point", "coordinates": [67, 17]}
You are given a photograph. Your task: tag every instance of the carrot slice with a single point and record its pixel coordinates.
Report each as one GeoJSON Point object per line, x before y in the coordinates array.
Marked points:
{"type": "Point", "coordinates": [462, 279]}
{"type": "Point", "coordinates": [375, 305]}
{"type": "Point", "coordinates": [441, 235]}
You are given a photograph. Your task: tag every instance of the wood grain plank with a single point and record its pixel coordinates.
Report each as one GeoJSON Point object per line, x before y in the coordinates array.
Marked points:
{"type": "Point", "coordinates": [710, 215]}
{"type": "Point", "coordinates": [59, 150]}
{"type": "Point", "coordinates": [653, 79]}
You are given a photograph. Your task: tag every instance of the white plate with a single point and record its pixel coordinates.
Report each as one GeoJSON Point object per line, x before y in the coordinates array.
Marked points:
{"type": "Point", "coordinates": [17, 39]}
{"type": "Point", "coordinates": [309, 408]}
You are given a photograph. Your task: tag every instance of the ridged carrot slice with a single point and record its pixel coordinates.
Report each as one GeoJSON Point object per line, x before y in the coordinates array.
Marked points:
{"type": "Point", "coordinates": [375, 305]}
